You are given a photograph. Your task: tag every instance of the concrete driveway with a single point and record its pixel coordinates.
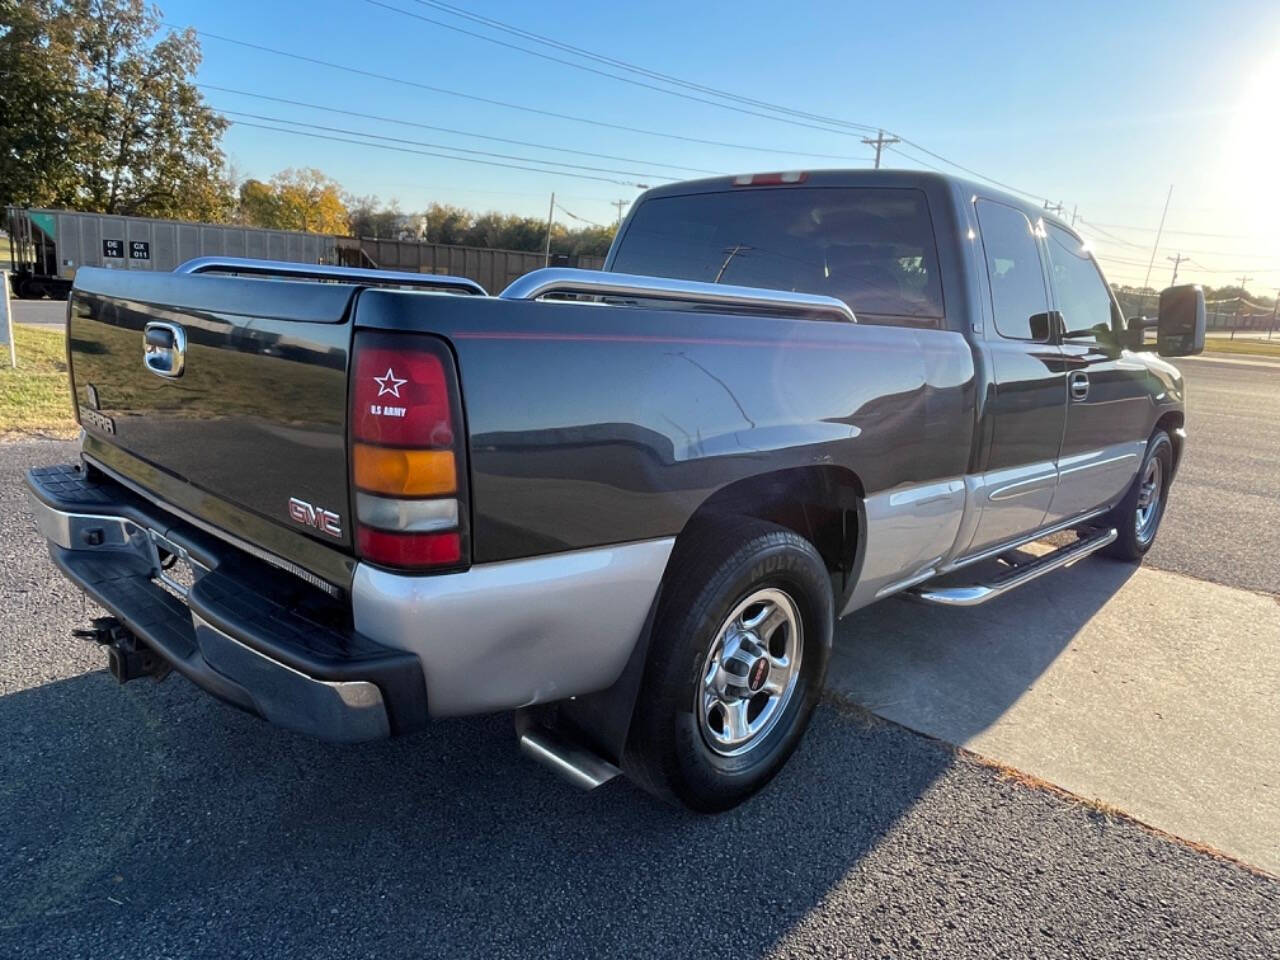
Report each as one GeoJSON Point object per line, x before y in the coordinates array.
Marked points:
{"type": "Point", "coordinates": [1153, 691]}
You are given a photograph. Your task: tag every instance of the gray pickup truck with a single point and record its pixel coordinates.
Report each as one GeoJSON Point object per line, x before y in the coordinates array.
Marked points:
{"type": "Point", "coordinates": [628, 505]}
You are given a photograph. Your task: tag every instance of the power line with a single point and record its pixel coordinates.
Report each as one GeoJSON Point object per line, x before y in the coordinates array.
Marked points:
{"type": "Point", "coordinates": [973, 173]}
{"type": "Point", "coordinates": [574, 216]}
{"type": "Point", "coordinates": [601, 123]}
{"type": "Point", "coordinates": [444, 156]}
{"type": "Point", "coordinates": [602, 73]}
{"type": "Point", "coordinates": [568, 48]}
{"type": "Point", "coordinates": [510, 106]}
{"type": "Point", "coordinates": [1184, 233]}
{"type": "Point", "coordinates": [462, 133]}
{"type": "Point", "coordinates": [438, 146]}
{"type": "Point", "coordinates": [1111, 236]}
{"type": "Point", "coordinates": [1230, 255]}
{"type": "Point", "coordinates": [508, 28]}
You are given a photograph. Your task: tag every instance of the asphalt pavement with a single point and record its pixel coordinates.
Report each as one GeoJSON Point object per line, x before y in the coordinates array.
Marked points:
{"type": "Point", "coordinates": [41, 313]}
{"type": "Point", "coordinates": [1221, 524]}
{"type": "Point", "coordinates": [150, 820]}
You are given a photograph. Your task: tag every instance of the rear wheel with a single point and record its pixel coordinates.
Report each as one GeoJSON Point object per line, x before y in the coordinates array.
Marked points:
{"type": "Point", "coordinates": [1137, 517]}
{"type": "Point", "coordinates": [735, 666]}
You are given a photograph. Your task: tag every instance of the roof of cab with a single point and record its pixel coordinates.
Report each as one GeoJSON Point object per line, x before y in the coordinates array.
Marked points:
{"type": "Point", "coordinates": [926, 180]}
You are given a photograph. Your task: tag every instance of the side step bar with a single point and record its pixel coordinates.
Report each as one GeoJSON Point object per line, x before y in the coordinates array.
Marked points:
{"type": "Point", "coordinates": [578, 764]}
{"type": "Point", "coordinates": [970, 595]}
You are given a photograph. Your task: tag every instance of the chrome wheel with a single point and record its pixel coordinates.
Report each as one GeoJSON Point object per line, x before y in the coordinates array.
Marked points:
{"type": "Point", "coordinates": [750, 673]}
{"type": "Point", "coordinates": [1149, 490]}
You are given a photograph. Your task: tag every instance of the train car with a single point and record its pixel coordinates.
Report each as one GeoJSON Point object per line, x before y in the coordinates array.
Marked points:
{"type": "Point", "coordinates": [49, 246]}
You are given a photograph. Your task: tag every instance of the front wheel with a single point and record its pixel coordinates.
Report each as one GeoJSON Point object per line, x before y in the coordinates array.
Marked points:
{"type": "Point", "coordinates": [1137, 517]}
{"type": "Point", "coordinates": [736, 664]}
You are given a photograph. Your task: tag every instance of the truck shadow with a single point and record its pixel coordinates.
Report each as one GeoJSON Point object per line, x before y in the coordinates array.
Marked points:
{"type": "Point", "coordinates": [124, 813]}
{"type": "Point", "coordinates": [953, 672]}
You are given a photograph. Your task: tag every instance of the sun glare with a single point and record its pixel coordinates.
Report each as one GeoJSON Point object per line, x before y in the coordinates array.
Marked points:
{"type": "Point", "coordinates": [1249, 156]}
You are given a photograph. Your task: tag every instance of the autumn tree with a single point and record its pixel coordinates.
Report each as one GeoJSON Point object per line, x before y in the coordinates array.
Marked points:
{"type": "Point", "coordinates": [294, 200]}
{"type": "Point", "coordinates": [100, 112]}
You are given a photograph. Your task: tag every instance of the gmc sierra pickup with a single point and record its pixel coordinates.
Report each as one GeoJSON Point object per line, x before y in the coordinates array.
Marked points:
{"type": "Point", "coordinates": [628, 505]}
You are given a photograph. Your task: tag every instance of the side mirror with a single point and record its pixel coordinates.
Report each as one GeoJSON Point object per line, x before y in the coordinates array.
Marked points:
{"type": "Point", "coordinates": [1180, 327]}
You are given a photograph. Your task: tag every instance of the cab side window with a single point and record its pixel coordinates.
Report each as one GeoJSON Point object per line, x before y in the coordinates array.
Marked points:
{"type": "Point", "coordinates": [1018, 297]}
{"type": "Point", "coordinates": [1083, 298]}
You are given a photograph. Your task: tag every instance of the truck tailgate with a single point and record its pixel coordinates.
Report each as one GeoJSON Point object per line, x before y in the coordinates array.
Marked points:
{"type": "Point", "coordinates": [256, 417]}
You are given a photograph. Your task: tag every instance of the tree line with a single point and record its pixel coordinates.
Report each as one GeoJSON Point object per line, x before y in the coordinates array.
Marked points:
{"type": "Point", "coordinates": [306, 199]}
{"type": "Point", "coordinates": [100, 112]}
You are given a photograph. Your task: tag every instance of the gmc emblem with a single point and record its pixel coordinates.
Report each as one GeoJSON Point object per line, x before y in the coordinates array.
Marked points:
{"type": "Point", "coordinates": [326, 521]}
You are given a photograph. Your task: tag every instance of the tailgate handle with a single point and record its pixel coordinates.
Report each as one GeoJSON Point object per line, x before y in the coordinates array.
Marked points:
{"type": "Point", "coordinates": [164, 349]}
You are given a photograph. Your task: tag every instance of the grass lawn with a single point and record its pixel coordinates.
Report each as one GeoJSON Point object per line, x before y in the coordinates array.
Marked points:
{"type": "Point", "coordinates": [1241, 345]}
{"type": "Point", "coordinates": [35, 399]}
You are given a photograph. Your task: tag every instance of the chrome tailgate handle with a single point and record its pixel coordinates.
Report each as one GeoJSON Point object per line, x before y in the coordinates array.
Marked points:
{"type": "Point", "coordinates": [164, 348]}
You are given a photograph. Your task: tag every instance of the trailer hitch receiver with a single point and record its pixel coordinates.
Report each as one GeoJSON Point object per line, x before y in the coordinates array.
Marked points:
{"type": "Point", "coordinates": [128, 658]}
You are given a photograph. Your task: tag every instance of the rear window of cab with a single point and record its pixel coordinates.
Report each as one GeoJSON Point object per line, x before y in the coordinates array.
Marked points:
{"type": "Point", "coordinates": [871, 247]}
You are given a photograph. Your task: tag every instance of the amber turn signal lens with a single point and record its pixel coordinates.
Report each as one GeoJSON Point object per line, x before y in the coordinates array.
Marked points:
{"type": "Point", "coordinates": [404, 473]}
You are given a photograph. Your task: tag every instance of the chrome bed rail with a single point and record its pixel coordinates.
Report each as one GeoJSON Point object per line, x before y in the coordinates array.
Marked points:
{"type": "Point", "coordinates": [319, 271]}
{"type": "Point", "coordinates": [541, 283]}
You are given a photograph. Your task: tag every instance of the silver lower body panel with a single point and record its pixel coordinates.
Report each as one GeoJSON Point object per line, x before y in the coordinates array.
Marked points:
{"type": "Point", "coordinates": [506, 635]}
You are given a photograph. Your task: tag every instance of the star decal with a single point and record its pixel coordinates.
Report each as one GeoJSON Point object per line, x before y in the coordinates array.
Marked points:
{"type": "Point", "coordinates": [389, 383]}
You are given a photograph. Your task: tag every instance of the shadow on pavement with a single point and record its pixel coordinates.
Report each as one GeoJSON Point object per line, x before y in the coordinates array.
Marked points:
{"type": "Point", "coordinates": [149, 803]}
{"type": "Point", "coordinates": [953, 672]}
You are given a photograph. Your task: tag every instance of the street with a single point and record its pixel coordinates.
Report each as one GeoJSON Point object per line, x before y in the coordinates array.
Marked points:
{"type": "Point", "coordinates": [151, 820]}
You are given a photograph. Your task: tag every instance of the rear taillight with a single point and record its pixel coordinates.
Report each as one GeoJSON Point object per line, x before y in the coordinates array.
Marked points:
{"type": "Point", "coordinates": [408, 454]}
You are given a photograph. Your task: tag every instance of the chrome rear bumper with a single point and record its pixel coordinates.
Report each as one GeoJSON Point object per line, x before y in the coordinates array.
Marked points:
{"type": "Point", "coordinates": [224, 628]}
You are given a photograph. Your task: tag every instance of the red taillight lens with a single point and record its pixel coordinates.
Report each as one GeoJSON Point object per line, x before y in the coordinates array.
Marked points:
{"type": "Point", "coordinates": [408, 456]}
{"type": "Point", "coordinates": [401, 399]}
{"type": "Point", "coordinates": [409, 549]}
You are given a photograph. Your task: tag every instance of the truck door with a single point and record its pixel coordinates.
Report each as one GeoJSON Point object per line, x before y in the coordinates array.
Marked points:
{"type": "Point", "coordinates": [1108, 403]}
{"type": "Point", "coordinates": [1026, 406]}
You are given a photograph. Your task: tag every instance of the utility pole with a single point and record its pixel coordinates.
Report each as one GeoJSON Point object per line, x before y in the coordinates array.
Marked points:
{"type": "Point", "coordinates": [620, 204]}
{"type": "Point", "coordinates": [1159, 232]}
{"type": "Point", "coordinates": [1074, 208]}
{"type": "Point", "coordinates": [551, 214]}
{"type": "Point", "coordinates": [1176, 261]}
{"type": "Point", "coordinates": [880, 142]}
{"type": "Point", "coordinates": [1055, 209]}
{"type": "Point", "coordinates": [1270, 330]}
{"type": "Point", "coordinates": [1243, 292]}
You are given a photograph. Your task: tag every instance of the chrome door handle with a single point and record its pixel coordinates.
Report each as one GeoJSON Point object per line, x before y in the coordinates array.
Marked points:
{"type": "Point", "coordinates": [1078, 383]}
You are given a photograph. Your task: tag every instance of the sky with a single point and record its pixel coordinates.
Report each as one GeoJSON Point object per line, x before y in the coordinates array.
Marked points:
{"type": "Point", "coordinates": [1098, 106]}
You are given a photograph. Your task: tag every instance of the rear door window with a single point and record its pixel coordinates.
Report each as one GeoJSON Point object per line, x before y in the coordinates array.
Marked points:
{"type": "Point", "coordinates": [1019, 300]}
{"type": "Point", "coordinates": [873, 248]}
{"type": "Point", "coordinates": [1083, 297]}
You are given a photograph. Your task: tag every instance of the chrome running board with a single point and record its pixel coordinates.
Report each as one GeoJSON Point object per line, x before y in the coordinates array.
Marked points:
{"type": "Point", "coordinates": [970, 595]}
{"type": "Point", "coordinates": [579, 765]}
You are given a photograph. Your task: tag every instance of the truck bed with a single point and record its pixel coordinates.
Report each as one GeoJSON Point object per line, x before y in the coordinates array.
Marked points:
{"type": "Point", "coordinates": [586, 424]}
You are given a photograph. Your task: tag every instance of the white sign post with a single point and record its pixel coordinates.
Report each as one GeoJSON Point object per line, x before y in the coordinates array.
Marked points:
{"type": "Point", "coordinates": [6, 319]}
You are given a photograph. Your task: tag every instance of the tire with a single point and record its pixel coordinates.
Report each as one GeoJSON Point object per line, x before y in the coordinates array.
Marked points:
{"type": "Point", "coordinates": [30, 289]}
{"type": "Point", "coordinates": [725, 580]}
{"type": "Point", "coordinates": [1137, 517]}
